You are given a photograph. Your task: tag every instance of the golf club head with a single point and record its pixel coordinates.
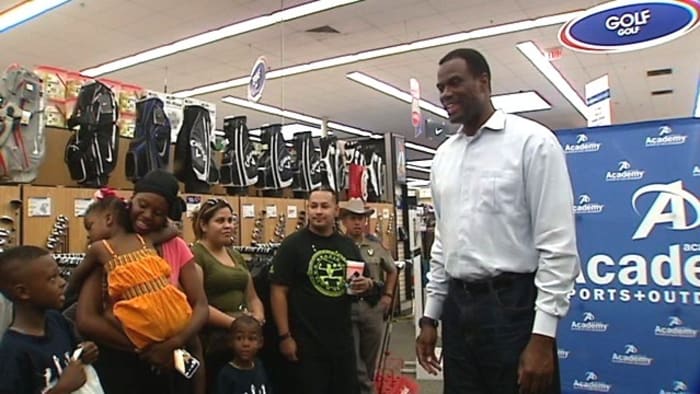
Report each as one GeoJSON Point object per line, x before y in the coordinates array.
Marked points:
{"type": "Point", "coordinates": [59, 226]}
{"type": "Point", "coordinates": [52, 239]}
{"type": "Point", "coordinates": [50, 245]}
{"type": "Point", "coordinates": [3, 242]}
{"type": "Point", "coordinates": [4, 233]}
{"type": "Point", "coordinates": [7, 219]}
{"type": "Point", "coordinates": [15, 203]}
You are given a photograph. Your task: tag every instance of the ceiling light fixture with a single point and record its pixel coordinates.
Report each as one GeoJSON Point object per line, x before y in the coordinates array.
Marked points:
{"type": "Point", "coordinates": [26, 10]}
{"type": "Point", "coordinates": [419, 148]}
{"type": "Point", "coordinates": [540, 61]}
{"type": "Point", "coordinates": [506, 28]}
{"type": "Point", "coordinates": [421, 163]}
{"type": "Point", "coordinates": [293, 115]}
{"type": "Point", "coordinates": [216, 35]}
{"type": "Point", "coordinates": [509, 102]}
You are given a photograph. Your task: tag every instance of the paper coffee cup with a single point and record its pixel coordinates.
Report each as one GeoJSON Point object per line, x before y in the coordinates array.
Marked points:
{"type": "Point", "coordinates": [355, 269]}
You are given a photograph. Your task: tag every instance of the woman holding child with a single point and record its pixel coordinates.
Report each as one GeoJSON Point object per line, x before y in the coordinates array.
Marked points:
{"type": "Point", "coordinates": [155, 302]}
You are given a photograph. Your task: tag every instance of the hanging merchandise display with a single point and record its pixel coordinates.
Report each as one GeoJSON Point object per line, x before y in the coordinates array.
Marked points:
{"type": "Point", "coordinates": [333, 162]}
{"type": "Point", "coordinates": [22, 145]}
{"type": "Point", "coordinates": [150, 147]}
{"type": "Point", "coordinates": [357, 176]}
{"type": "Point", "coordinates": [91, 152]}
{"type": "Point", "coordinates": [375, 174]}
{"type": "Point", "coordinates": [309, 176]}
{"type": "Point", "coordinates": [275, 170]}
{"type": "Point", "coordinates": [239, 166]}
{"type": "Point", "coordinates": [194, 157]}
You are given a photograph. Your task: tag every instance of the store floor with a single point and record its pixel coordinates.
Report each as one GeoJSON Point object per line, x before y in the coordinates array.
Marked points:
{"type": "Point", "coordinates": [403, 338]}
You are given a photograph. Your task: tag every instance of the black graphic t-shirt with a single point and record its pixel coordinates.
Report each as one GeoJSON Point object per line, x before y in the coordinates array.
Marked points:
{"type": "Point", "coordinates": [232, 380]}
{"type": "Point", "coordinates": [319, 308]}
{"type": "Point", "coordinates": [31, 364]}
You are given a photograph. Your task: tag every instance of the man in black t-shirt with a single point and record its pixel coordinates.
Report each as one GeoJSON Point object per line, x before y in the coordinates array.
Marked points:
{"type": "Point", "coordinates": [310, 301]}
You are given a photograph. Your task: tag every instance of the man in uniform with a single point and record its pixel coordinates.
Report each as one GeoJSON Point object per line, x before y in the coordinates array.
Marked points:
{"type": "Point", "coordinates": [368, 312]}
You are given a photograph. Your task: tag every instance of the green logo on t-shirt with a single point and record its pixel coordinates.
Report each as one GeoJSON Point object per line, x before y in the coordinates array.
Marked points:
{"type": "Point", "coordinates": [327, 273]}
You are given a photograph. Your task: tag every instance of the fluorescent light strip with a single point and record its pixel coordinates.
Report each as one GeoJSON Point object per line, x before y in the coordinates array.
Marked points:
{"type": "Point", "coordinates": [419, 148]}
{"type": "Point", "coordinates": [389, 51]}
{"type": "Point", "coordinates": [540, 61]}
{"type": "Point", "coordinates": [25, 11]}
{"type": "Point", "coordinates": [294, 115]}
{"type": "Point", "coordinates": [510, 102]}
{"type": "Point", "coordinates": [216, 35]}
{"type": "Point", "coordinates": [416, 168]}
{"type": "Point", "coordinates": [421, 163]}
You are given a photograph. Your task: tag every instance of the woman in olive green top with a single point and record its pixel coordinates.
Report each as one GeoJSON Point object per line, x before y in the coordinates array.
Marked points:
{"type": "Point", "coordinates": [227, 281]}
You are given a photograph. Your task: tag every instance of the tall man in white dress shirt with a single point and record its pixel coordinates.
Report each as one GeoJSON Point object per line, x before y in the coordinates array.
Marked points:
{"type": "Point", "coordinates": [504, 257]}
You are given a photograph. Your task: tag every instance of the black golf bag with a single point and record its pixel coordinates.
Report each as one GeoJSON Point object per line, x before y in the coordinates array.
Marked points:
{"type": "Point", "coordinates": [239, 167]}
{"type": "Point", "coordinates": [91, 152]}
{"type": "Point", "coordinates": [22, 145]}
{"type": "Point", "coordinates": [308, 176]}
{"type": "Point", "coordinates": [275, 170]}
{"type": "Point", "coordinates": [194, 157]}
{"type": "Point", "coordinates": [150, 147]}
{"type": "Point", "coordinates": [332, 163]}
{"type": "Point", "coordinates": [375, 174]}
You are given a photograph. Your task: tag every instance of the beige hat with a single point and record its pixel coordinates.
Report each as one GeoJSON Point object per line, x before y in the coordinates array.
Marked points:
{"type": "Point", "coordinates": [355, 206]}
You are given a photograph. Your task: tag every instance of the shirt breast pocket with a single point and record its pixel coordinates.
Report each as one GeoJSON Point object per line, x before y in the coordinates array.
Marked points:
{"type": "Point", "coordinates": [499, 192]}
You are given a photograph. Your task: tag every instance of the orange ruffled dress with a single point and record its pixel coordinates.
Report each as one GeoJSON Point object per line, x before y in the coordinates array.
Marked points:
{"type": "Point", "coordinates": [148, 306]}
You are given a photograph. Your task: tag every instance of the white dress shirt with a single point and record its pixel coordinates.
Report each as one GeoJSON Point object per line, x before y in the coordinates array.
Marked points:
{"type": "Point", "coordinates": [503, 203]}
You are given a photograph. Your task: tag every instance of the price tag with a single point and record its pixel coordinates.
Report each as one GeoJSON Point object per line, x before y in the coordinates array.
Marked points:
{"type": "Point", "coordinates": [39, 207]}
{"type": "Point", "coordinates": [80, 206]}
{"type": "Point", "coordinates": [248, 211]}
{"type": "Point", "coordinates": [292, 211]}
{"type": "Point", "coordinates": [271, 211]}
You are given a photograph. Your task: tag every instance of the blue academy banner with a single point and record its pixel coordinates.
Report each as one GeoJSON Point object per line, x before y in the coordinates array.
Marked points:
{"type": "Point", "coordinates": [635, 315]}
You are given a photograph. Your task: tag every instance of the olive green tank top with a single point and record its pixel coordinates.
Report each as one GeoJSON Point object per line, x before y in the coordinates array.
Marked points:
{"type": "Point", "coordinates": [224, 285]}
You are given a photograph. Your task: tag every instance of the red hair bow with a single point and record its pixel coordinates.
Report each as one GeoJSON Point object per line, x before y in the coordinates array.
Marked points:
{"type": "Point", "coordinates": [104, 193]}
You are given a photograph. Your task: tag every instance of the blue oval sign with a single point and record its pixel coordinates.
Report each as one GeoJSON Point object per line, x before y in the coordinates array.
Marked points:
{"type": "Point", "coordinates": [256, 85]}
{"type": "Point", "coordinates": [627, 25]}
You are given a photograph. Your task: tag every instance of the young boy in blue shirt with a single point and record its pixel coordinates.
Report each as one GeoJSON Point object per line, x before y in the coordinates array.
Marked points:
{"type": "Point", "coordinates": [38, 347]}
{"type": "Point", "coordinates": [244, 374]}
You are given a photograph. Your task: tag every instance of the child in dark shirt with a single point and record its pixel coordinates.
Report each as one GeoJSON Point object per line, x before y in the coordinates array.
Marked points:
{"type": "Point", "coordinates": [244, 374]}
{"type": "Point", "coordinates": [37, 349]}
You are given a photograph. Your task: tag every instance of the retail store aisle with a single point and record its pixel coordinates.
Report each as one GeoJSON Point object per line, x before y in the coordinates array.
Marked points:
{"type": "Point", "coordinates": [403, 346]}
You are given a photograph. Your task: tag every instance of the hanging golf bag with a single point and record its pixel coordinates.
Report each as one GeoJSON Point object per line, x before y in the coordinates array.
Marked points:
{"type": "Point", "coordinates": [22, 145]}
{"type": "Point", "coordinates": [239, 167]}
{"type": "Point", "coordinates": [194, 157]}
{"type": "Point", "coordinates": [150, 147]}
{"type": "Point", "coordinates": [91, 152]}
{"type": "Point", "coordinates": [375, 175]}
{"type": "Point", "coordinates": [275, 170]}
{"type": "Point", "coordinates": [357, 176]}
{"type": "Point", "coordinates": [333, 163]}
{"type": "Point", "coordinates": [308, 176]}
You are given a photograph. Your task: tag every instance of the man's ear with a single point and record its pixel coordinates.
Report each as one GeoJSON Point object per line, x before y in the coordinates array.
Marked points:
{"type": "Point", "coordinates": [20, 292]}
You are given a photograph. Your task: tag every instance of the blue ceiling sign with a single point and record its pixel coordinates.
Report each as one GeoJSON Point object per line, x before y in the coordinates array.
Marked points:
{"type": "Point", "coordinates": [256, 85]}
{"type": "Point", "coordinates": [626, 25]}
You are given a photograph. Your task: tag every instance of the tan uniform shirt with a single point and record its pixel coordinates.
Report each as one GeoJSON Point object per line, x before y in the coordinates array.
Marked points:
{"type": "Point", "coordinates": [376, 257]}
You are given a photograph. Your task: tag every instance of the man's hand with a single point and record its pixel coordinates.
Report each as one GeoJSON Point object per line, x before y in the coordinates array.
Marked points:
{"type": "Point", "coordinates": [159, 354]}
{"type": "Point", "coordinates": [288, 348]}
{"type": "Point", "coordinates": [72, 378]}
{"type": "Point", "coordinates": [385, 305]}
{"type": "Point", "coordinates": [536, 365]}
{"type": "Point", "coordinates": [360, 284]}
{"type": "Point", "coordinates": [425, 349]}
{"type": "Point", "coordinates": [90, 352]}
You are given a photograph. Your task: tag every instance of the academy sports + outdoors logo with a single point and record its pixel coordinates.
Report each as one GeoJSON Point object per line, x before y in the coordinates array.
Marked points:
{"type": "Point", "coordinates": [589, 324]}
{"type": "Point", "coordinates": [670, 206]}
{"type": "Point", "coordinates": [678, 387]}
{"type": "Point", "coordinates": [665, 137]}
{"type": "Point", "coordinates": [585, 205]}
{"type": "Point", "coordinates": [675, 328]}
{"type": "Point", "coordinates": [590, 382]}
{"type": "Point", "coordinates": [582, 145]}
{"type": "Point", "coordinates": [624, 172]}
{"type": "Point", "coordinates": [631, 356]}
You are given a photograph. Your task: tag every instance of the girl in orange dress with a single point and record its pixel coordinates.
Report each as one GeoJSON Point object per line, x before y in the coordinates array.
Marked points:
{"type": "Point", "coordinates": [145, 305]}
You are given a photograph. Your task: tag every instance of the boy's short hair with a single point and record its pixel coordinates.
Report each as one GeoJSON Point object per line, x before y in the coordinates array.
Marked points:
{"type": "Point", "coordinates": [14, 263]}
{"type": "Point", "coordinates": [245, 321]}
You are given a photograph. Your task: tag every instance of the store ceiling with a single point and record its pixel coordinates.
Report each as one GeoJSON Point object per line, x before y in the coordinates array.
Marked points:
{"type": "Point", "coordinates": [87, 33]}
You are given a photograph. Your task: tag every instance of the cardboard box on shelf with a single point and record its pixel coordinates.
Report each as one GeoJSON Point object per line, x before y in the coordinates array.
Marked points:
{"type": "Point", "coordinates": [54, 82]}
{"type": "Point", "coordinates": [55, 115]}
{"type": "Point", "coordinates": [127, 98]}
{"type": "Point", "coordinates": [73, 83]}
{"type": "Point", "coordinates": [127, 126]}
